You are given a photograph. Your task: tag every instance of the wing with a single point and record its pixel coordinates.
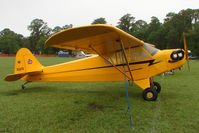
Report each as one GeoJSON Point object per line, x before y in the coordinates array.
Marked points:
{"type": "Point", "coordinates": [105, 39]}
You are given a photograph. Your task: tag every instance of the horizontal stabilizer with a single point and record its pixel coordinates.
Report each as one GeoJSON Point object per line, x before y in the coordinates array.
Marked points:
{"type": "Point", "coordinates": [14, 77]}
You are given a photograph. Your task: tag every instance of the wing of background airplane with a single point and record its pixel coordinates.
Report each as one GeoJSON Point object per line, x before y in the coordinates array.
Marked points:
{"type": "Point", "coordinates": [104, 40]}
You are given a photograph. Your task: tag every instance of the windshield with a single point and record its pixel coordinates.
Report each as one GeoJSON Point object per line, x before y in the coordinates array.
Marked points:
{"type": "Point", "coordinates": [149, 48]}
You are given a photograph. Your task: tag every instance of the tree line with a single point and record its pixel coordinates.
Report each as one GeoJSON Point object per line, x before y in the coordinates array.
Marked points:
{"type": "Point", "coordinates": [164, 35]}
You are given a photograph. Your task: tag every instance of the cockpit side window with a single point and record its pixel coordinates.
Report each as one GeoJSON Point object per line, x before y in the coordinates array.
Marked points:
{"type": "Point", "coordinates": [152, 50]}
{"type": "Point", "coordinates": [137, 54]}
{"type": "Point", "coordinates": [133, 54]}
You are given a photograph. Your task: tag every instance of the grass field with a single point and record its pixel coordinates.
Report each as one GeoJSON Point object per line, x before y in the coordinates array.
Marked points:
{"type": "Point", "coordinates": [98, 107]}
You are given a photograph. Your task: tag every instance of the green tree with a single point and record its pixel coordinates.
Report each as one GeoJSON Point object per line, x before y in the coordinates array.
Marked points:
{"type": "Point", "coordinates": [51, 50]}
{"type": "Point", "coordinates": [10, 42]}
{"type": "Point", "coordinates": [155, 32]}
{"type": "Point", "coordinates": [193, 39]}
{"type": "Point", "coordinates": [38, 29]}
{"type": "Point", "coordinates": [126, 23]}
{"type": "Point", "coordinates": [139, 29]}
{"type": "Point", "coordinates": [67, 26]}
{"type": "Point", "coordinates": [58, 28]}
{"type": "Point", "coordinates": [45, 50]}
{"type": "Point", "coordinates": [154, 25]}
{"type": "Point", "coordinates": [99, 21]}
{"type": "Point", "coordinates": [177, 23]}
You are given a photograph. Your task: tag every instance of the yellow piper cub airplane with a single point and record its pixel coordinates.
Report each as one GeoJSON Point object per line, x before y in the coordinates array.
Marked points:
{"type": "Point", "coordinates": [115, 49]}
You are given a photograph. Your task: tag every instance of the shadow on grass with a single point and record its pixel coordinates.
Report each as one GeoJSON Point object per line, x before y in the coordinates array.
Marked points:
{"type": "Point", "coordinates": [110, 93]}
{"type": "Point", "coordinates": [15, 92]}
{"type": "Point", "coordinates": [119, 92]}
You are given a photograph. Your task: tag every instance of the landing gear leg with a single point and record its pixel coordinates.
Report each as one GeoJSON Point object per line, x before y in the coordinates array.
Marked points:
{"type": "Point", "coordinates": [155, 85]}
{"type": "Point", "coordinates": [23, 85]}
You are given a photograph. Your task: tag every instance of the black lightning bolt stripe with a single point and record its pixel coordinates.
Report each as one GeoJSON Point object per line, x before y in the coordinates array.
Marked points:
{"type": "Point", "coordinates": [133, 63]}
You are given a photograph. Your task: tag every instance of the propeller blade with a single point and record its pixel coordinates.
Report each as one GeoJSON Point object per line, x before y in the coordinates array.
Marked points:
{"type": "Point", "coordinates": [186, 51]}
{"type": "Point", "coordinates": [188, 64]}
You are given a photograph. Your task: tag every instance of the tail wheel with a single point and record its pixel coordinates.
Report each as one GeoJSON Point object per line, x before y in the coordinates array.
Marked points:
{"type": "Point", "coordinates": [23, 87]}
{"type": "Point", "coordinates": [150, 94]}
{"type": "Point", "coordinates": [157, 87]}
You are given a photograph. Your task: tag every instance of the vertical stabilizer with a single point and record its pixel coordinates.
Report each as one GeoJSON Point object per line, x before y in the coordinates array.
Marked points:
{"type": "Point", "coordinates": [26, 62]}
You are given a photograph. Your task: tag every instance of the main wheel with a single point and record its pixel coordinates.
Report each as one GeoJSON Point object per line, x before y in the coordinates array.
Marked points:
{"type": "Point", "coordinates": [157, 87]}
{"type": "Point", "coordinates": [150, 94]}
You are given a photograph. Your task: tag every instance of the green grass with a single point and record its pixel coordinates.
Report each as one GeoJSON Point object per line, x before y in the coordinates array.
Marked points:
{"type": "Point", "coordinates": [98, 107]}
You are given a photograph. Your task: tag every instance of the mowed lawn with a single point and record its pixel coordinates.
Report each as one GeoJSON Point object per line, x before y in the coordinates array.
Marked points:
{"type": "Point", "coordinates": [98, 107]}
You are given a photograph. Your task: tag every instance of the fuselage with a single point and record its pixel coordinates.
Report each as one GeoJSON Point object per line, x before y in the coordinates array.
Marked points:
{"type": "Point", "coordinates": [96, 68]}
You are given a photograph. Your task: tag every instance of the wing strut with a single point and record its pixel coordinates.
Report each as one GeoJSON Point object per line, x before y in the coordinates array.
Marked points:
{"type": "Point", "coordinates": [127, 96]}
{"type": "Point", "coordinates": [126, 59]}
{"type": "Point", "coordinates": [109, 62]}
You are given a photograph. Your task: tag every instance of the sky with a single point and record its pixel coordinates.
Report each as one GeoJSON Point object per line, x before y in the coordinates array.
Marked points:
{"type": "Point", "coordinates": [18, 14]}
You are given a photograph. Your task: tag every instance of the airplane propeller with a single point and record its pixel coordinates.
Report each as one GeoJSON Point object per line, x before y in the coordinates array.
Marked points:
{"type": "Point", "coordinates": [186, 51]}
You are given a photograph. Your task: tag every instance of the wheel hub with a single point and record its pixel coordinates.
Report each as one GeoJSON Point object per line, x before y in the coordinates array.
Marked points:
{"type": "Point", "coordinates": [155, 87]}
{"type": "Point", "coordinates": [149, 94]}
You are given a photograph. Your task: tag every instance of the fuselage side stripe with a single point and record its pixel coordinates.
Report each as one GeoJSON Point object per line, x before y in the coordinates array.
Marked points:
{"type": "Point", "coordinates": [133, 63]}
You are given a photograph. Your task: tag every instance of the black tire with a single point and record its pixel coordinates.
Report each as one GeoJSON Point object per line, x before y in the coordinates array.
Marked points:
{"type": "Point", "coordinates": [157, 87]}
{"type": "Point", "coordinates": [150, 94]}
{"type": "Point", "coordinates": [23, 87]}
